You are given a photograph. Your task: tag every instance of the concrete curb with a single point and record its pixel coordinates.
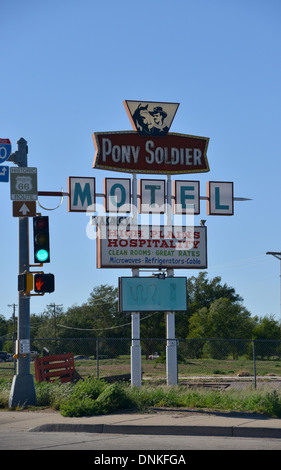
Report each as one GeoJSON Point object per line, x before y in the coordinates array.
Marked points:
{"type": "Point", "coordinates": [230, 431]}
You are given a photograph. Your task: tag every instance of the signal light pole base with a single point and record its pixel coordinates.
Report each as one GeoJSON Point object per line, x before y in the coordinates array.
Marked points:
{"type": "Point", "coordinates": [22, 391]}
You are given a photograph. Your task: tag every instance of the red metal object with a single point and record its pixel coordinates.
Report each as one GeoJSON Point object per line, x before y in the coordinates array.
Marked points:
{"type": "Point", "coordinates": [50, 368]}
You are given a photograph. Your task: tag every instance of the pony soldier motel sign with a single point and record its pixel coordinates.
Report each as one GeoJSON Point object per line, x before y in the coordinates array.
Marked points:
{"type": "Point", "coordinates": [150, 148]}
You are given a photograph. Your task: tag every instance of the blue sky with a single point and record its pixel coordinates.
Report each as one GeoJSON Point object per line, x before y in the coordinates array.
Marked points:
{"type": "Point", "coordinates": [66, 68]}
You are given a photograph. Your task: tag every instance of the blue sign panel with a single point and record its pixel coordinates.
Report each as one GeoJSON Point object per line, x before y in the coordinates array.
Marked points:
{"type": "Point", "coordinates": [4, 174]}
{"type": "Point", "coordinates": [146, 294]}
{"type": "Point", "coordinates": [5, 149]}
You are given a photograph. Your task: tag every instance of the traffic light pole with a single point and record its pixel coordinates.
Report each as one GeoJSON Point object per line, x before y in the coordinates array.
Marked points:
{"type": "Point", "coordinates": [23, 389]}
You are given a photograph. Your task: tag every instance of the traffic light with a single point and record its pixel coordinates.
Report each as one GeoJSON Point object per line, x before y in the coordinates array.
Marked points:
{"type": "Point", "coordinates": [44, 283]}
{"type": "Point", "coordinates": [41, 239]}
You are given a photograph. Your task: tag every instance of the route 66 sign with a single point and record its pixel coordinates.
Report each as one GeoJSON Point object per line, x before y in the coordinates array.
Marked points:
{"type": "Point", "coordinates": [24, 184]}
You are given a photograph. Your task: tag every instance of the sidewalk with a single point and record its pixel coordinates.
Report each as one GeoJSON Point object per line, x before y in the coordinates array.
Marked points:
{"type": "Point", "coordinates": [157, 422]}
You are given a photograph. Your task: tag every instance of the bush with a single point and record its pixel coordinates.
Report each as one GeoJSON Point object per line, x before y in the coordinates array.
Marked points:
{"type": "Point", "coordinates": [90, 387]}
{"type": "Point", "coordinates": [115, 397]}
{"type": "Point", "coordinates": [4, 395]}
{"type": "Point", "coordinates": [50, 394]}
{"type": "Point", "coordinates": [79, 407]}
{"type": "Point", "coordinates": [96, 397]}
{"type": "Point", "coordinates": [164, 396]}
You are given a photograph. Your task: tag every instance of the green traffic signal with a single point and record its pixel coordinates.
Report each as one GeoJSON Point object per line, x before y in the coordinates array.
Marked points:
{"type": "Point", "coordinates": [42, 255]}
{"type": "Point", "coordinates": [41, 239]}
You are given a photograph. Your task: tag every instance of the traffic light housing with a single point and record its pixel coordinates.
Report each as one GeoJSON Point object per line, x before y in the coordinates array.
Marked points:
{"type": "Point", "coordinates": [41, 239]}
{"type": "Point", "coordinates": [44, 283]}
{"type": "Point", "coordinates": [25, 282]}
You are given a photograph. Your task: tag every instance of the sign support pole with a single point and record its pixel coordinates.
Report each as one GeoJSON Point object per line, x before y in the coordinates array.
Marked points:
{"type": "Point", "coordinates": [135, 316]}
{"type": "Point", "coordinates": [171, 346]}
{"type": "Point", "coordinates": [23, 389]}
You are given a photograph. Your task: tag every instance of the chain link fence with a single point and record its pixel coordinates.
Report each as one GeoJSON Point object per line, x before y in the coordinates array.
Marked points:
{"type": "Point", "coordinates": [207, 358]}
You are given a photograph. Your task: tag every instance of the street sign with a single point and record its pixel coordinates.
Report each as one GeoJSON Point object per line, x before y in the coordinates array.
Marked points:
{"type": "Point", "coordinates": [23, 184]}
{"type": "Point", "coordinates": [145, 294]}
{"type": "Point", "coordinates": [24, 208]}
{"type": "Point", "coordinates": [23, 346]}
{"type": "Point", "coordinates": [4, 174]}
{"type": "Point", "coordinates": [5, 149]}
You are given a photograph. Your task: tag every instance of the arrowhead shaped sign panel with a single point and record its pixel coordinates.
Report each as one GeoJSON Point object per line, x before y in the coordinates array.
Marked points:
{"type": "Point", "coordinates": [151, 118]}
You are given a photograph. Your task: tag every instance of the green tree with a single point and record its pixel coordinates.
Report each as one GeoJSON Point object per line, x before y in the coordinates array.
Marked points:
{"type": "Point", "coordinates": [201, 292]}
{"type": "Point", "coordinates": [97, 318]}
{"type": "Point", "coordinates": [153, 332]}
{"type": "Point", "coordinates": [266, 330]}
{"type": "Point", "coordinates": [222, 320]}
{"type": "Point", "coordinates": [3, 326]}
{"type": "Point", "coordinates": [4, 333]}
{"type": "Point", "coordinates": [108, 321]}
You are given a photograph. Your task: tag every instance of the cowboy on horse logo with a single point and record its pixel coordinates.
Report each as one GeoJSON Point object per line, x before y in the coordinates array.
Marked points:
{"type": "Point", "coordinates": [151, 118]}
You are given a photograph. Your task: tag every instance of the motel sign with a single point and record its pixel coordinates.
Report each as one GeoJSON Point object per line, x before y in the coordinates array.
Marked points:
{"type": "Point", "coordinates": [152, 196]}
{"type": "Point", "coordinates": [150, 149]}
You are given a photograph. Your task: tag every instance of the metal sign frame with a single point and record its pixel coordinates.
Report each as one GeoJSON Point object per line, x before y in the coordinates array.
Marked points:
{"type": "Point", "coordinates": [146, 294]}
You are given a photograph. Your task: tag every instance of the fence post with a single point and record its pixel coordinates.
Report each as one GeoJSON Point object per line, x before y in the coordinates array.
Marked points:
{"type": "Point", "coordinates": [254, 360]}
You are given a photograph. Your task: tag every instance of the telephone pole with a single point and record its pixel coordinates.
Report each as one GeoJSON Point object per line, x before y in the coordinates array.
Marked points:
{"type": "Point", "coordinates": [55, 315]}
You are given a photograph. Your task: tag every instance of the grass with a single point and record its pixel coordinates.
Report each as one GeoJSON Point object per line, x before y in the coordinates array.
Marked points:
{"type": "Point", "coordinates": [92, 396]}
{"type": "Point", "coordinates": [96, 397]}
{"type": "Point", "coordinates": [157, 368]}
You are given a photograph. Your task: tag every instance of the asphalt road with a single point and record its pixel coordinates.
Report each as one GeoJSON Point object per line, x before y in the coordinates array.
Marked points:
{"type": "Point", "coordinates": [170, 445]}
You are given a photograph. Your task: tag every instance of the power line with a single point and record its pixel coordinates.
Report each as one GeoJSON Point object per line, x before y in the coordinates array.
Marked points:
{"type": "Point", "coordinates": [108, 328]}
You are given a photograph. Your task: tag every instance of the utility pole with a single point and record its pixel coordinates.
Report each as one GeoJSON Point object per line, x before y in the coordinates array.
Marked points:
{"type": "Point", "coordinates": [23, 389]}
{"type": "Point", "coordinates": [54, 315]}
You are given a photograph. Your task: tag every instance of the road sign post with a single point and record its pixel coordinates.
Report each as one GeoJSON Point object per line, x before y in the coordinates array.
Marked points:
{"type": "Point", "coordinates": [23, 389]}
